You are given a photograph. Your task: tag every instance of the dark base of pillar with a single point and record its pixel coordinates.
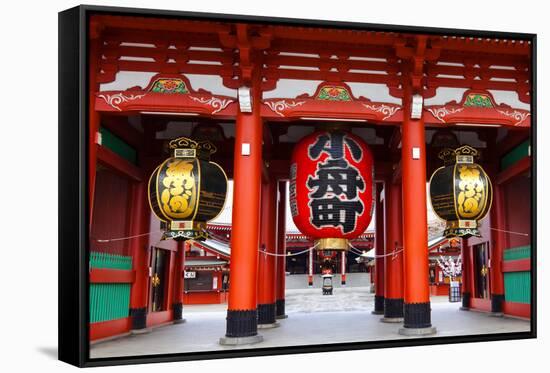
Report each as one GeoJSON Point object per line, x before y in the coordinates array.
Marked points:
{"type": "Point", "coordinates": [178, 312]}
{"type": "Point", "coordinates": [496, 303]}
{"type": "Point", "coordinates": [241, 323]}
{"type": "Point", "coordinates": [465, 301]}
{"type": "Point", "coordinates": [266, 313]}
{"type": "Point", "coordinates": [411, 332]}
{"type": "Point", "coordinates": [417, 315]}
{"type": "Point", "coordinates": [237, 341]}
{"type": "Point", "coordinates": [280, 309]}
{"type": "Point", "coordinates": [139, 318]}
{"type": "Point", "coordinates": [393, 308]}
{"type": "Point", "coordinates": [343, 282]}
{"type": "Point", "coordinates": [392, 320]}
{"type": "Point", "coordinates": [310, 284]}
{"type": "Point", "coordinates": [378, 305]}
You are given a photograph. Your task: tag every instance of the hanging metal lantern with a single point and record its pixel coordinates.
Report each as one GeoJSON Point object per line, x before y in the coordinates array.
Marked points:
{"type": "Point", "coordinates": [187, 190]}
{"type": "Point", "coordinates": [461, 192]}
{"type": "Point", "coordinates": [331, 188]}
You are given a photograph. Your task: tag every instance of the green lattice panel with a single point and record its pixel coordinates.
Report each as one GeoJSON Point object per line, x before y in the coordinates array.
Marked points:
{"type": "Point", "coordinates": [515, 253]}
{"type": "Point", "coordinates": [111, 261]}
{"type": "Point", "coordinates": [517, 287]}
{"type": "Point", "coordinates": [109, 301]}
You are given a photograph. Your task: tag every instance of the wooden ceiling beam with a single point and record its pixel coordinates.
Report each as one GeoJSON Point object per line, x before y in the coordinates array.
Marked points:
{"type": "Point", "coordinates": [356, 37]}
{"type": "Point", "coordinates": [160, 24]}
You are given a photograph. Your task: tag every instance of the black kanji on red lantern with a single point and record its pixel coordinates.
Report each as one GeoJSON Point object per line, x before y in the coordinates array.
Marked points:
{"type": "Point", "coordinates": [336, 183]}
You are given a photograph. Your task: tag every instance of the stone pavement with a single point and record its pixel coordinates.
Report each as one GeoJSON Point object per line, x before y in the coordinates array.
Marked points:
{"type": "Point", "coordinates": [312, 319]}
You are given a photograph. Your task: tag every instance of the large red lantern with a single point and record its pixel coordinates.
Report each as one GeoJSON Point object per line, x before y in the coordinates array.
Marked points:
{"type": "Point", "coordinates": [331, 188]}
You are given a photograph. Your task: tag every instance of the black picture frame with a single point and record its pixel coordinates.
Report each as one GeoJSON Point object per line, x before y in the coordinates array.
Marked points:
{"type": "Point", "coordinates": [73, 186]}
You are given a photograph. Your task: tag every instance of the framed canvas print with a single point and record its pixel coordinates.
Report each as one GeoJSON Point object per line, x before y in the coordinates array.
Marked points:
{"type": "Point", "coordinates": [235, 186]}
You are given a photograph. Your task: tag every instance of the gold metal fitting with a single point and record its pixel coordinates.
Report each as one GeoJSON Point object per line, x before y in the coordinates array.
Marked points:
{"type": "Point", "coordinates": [331, 244]}
{"type": "Point", "coordinates": [187, 225]}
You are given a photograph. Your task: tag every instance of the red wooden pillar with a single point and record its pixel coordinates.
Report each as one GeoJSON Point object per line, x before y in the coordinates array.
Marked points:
{"type": "Point", "coordinates": [466, 276]}
{"type": "Point", "coordinates": [310, 268]}
{"type": "Point", "coordinates": [343, 267]}
{"type": "Point", "coordinates": [417, 311]}
{"type": "Point", "coordinates": [177, 305]}
{"type": "Point", "coordinates": [242, 314]}
{"type": "Point", "coordinates": [379, 253]}
{"type": "Point", "coordinates": [393, 291]}
{"type": "Point", "coordinates": [94, 118]}
{"type": "Point", "coordinates": [281, 250]}
{"type": "Point", "coordinates": [471, 269]}
{"type": "Point", "coordinates": [139, 223]}
{"type": "Point", "coordinates": [266, 262]}
{"type": "Point", "coordinates": [498, 245]}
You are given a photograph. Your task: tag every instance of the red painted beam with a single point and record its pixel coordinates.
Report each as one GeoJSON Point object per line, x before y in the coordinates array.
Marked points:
{"type": "Point", "coordinates": [313, 47]}
{"type": "Point", "coordinates": [328, 35]}
{"type": "Point", "coordinates": [326, 63]}
{"type": "Point", "coordinates": [329, 76]}
{"type": "Point", "coordinates": [487, 73]}
{"type": "Point", "coordinates": [467, 83]}
{"type": "Point", "coordinates": [161, 24]}
{"type": "Point", "coordinates": [486, 46]}
{"type": "Point", "coordinates": [111, 276]}
{"type": "Point", "coordinates": [104, 329]}
{"type": "Point", "coordinates": [516, 169]}
{"type": "Point", "coordinates": [119, 164]}
{"type": "Point", "coordinates": [172, 68]}
{"type": "Point", "coordinates": [518, 265]}
{"type": "Point", "coordinates": [517, 309]}
{"type": "Point", "coordinates": [177, 55]}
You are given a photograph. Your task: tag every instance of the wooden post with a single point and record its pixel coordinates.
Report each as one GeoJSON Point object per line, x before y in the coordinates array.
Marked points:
{"type": "Point", "coordinates": [466, 276]}
{"type": "Point", "coordinates": [498, 245]}
{"type": "Point", "coordinates": [343, 265]}
{"type": "Point", "coordinates": [310, 268]}
{"type": "Point", "coordinates": [379, 252]}
{"type": "Point", "coordinates": [242, 314]}
{"type": "Point", "coordinates": [94, 118]}
{"type": "Point", "coordinates": [393, 292]}
{"type": "Point", "coordinates": [281, 250]}
{"type": "Point", "coordinates": [177, 305]}
{"type": "Point", "coordinates": [417, 311]}
{"type": "Point", "coordinates": [140, 215]}
{"type": "Point", "coordinates": [266, 265]}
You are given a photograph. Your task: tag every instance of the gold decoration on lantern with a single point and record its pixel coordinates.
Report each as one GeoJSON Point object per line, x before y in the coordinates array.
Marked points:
{"type": "Point", "coordinates": [460, 192]}
{"type": "Point", "coordinates": [179, 197]}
